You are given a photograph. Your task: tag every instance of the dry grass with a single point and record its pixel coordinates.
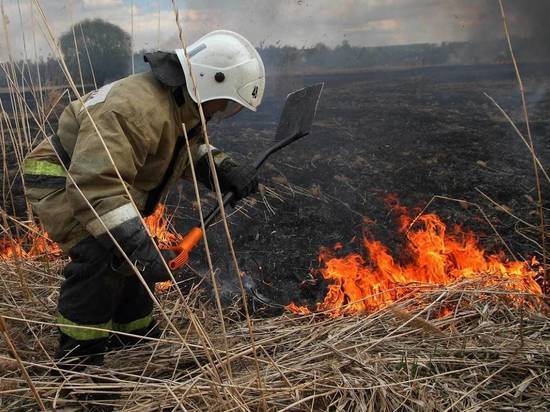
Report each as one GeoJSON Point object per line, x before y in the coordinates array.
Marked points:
{"type": "Point", "coordinates": [489, 353]}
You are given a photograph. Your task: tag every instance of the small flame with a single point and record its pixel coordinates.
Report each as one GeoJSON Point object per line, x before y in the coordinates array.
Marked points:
{"type": "Point", "coordinates": [433, 255]}
{"type": "Point", "coordinates": [301, 310]}
{"type": "Point", "coordinates": [34, 244]}
{"type": "Point", "coordinates": [163, 287]}
{"type": "Point", "coordinates": [158, 225]}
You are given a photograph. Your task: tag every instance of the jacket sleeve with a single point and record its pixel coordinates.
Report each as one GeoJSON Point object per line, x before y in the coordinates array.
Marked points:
{"type": "Point", "coordinates": [95, 175]}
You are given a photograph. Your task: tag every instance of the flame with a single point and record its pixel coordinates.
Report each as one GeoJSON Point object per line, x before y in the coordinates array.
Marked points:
{"type": "Point", "coordinates": [433, 254]}
{"type": "Point", "coordinates": [302, 310]}
{"type": "Point", "coordinates": [158, 225]}
{"type": "Point", "coordinates": [34, 244]}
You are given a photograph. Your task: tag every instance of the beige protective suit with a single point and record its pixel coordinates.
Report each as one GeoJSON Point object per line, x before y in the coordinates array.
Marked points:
{"type": "Point", "coordinates": [140, 121]}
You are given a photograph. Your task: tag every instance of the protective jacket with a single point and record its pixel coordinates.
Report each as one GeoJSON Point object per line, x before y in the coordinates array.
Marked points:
{"type": "Point", "coordinates": [140, 120]}
{"type": "Point", "coordinates": [135, 123]}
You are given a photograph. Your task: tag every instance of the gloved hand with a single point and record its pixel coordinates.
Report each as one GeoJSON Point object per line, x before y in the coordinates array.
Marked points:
{"type": "Point", "coordinates": [136, 243]}
{"type": "Point", "coordinates": [242, 180]}
{"type": "Point", "coordinates": [148, 261]}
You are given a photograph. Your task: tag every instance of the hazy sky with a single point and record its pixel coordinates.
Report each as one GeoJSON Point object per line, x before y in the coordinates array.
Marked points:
{"type": "Point", "coordinates": [295, 22]}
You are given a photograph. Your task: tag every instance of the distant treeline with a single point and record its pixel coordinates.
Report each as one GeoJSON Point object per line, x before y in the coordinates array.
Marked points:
{"type": "Point", "coordinates": [288, 59]}
{"type": "Point", "coordinates": [345, 56]}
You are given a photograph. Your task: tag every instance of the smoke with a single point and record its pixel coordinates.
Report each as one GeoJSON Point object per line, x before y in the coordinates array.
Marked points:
{"type": "Point", "coordinates": [298, 23]}
{"type": "Point", "coordinates": [529, 23]}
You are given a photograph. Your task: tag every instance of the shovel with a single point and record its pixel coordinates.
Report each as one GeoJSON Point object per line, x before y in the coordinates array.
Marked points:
{"type": "Point", "coordinates": [295, 123]}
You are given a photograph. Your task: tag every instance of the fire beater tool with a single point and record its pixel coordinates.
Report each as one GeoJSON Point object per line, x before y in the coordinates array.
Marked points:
{"type": "Point", "coordinates": [295, 123]}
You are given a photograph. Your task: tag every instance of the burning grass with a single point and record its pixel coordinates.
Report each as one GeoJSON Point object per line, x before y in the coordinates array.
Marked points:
{"type": "Point", "coordinates": [477, 338]}
{"type": "Point", "coordinates": [459, 336]}
{"type": "Point", "coordinates": [431, 254]}
{"type": "Point", "coordinates": [464, 346]}
{"type": "Point", "coordinates": [34, 244]}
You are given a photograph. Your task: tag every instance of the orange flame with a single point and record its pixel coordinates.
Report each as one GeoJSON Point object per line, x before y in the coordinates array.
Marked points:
{"type": "Point", "coordinates": [301, 310]}
{"type": "Point", "coordinates": [433, 255]}
{"type": "Point", "coordinates": [34, 244]}
{"type": "Point", "coordinates": [158, 225]}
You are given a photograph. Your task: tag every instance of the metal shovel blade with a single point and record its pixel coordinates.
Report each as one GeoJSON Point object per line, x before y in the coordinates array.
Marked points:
{"type": "Point", "coordinates": [299, 112]}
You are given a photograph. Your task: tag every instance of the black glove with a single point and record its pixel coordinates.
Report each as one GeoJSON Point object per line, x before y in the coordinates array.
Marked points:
{"type": "Point", "coordinates": [138, 246]}
{"type": "Point", "coordinates": [242, 180]}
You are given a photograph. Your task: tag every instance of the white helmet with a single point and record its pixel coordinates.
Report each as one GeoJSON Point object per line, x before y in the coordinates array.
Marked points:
{"type": "Point", "coordinates": [225, 66]}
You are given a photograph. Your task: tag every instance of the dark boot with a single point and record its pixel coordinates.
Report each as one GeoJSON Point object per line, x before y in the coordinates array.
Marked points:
{"type": "Point", "coordinates": [88, 296]}
{"type": "Point", "coordinates": [133, 314]}
{"type": "Point", "coordinates": [76, 355]}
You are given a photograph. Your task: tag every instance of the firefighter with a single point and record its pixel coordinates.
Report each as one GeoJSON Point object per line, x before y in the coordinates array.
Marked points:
{"type": "Point", "coordinates": [139, 119]}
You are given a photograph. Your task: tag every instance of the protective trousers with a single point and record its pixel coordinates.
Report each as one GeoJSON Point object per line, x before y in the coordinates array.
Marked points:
{"type": "Point", "coordinates": [94, 296]}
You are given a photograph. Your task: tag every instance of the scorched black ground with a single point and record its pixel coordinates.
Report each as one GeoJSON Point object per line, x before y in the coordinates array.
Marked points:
{"type": "Point", "coordinates": [414, 133]}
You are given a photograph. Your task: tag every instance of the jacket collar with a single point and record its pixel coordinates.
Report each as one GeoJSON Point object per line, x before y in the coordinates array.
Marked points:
{"type": "Point", "coordinates": [166, 68]}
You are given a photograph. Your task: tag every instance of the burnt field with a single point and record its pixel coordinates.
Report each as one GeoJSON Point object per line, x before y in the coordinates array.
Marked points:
{"type": "Point", "coordinates": [412, 133]}
{"type": "Point", "coordinates": [475, 337]}
{"type": "Point", "coordinates": [415, 133]}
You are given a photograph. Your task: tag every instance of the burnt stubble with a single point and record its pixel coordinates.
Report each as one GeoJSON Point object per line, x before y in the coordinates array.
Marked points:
{"type": "Point", "coordinates": [415, 133]}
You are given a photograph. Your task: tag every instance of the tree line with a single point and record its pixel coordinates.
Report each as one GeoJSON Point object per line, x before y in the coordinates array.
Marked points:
{"type": "Point", "coordinates": [99, 52]}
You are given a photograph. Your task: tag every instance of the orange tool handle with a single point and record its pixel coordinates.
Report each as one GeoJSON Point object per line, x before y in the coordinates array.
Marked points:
{"type": "Point", "coordinates": [189, 241]}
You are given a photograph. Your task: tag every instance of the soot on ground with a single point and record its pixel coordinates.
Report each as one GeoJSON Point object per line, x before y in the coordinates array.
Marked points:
{"type": "Point", "coordinates": [414, 133]}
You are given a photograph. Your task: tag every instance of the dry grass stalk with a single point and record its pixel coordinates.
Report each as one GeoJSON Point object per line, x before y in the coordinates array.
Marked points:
{"type": "Point", "coordinates": [13, 350]}
{"type": "Point", "coordinates": [207, 249]}
{"type": "Point", "coordinates": [218, 192]}
{"type": "Point", "coordinates": [488, 352]}
{"type": "Point", "coordinates": [195, 321]}
{"type": "Point", "coordinates": [17, 92]}
{"type": "Point", "coordinates": [540, 206]}
{"type": "Point", "coordinates": [77, 51]}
